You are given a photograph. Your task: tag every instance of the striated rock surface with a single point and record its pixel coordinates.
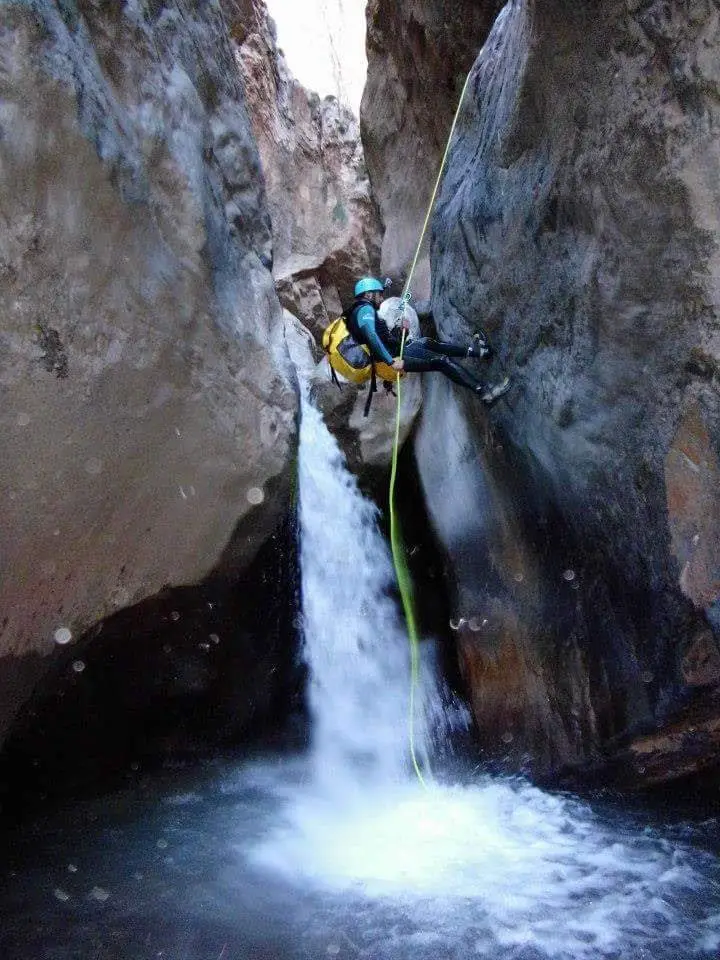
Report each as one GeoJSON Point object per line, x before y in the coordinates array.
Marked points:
{"type": "Point", "coordinates": [419, 53]}
{"type": "Point", "coordinates": [578, 223]}
{"type": "Point", "coordinates": [147, 406]}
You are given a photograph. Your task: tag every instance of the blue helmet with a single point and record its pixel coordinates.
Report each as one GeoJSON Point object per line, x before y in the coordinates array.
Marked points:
{"type": "Point", "coordinates": [368, 285]}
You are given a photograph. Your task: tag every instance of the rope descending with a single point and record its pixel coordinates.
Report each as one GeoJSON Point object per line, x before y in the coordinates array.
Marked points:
{"type": "Point", "coordinates": [396, 542]}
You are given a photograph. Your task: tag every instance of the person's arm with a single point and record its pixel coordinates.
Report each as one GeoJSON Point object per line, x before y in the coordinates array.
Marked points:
{"type": "Point", "coordinates": [366, 322]}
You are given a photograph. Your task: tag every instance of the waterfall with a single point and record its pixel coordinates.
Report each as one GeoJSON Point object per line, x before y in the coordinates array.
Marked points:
{"type": "Point", "coordinates": [353, 639]}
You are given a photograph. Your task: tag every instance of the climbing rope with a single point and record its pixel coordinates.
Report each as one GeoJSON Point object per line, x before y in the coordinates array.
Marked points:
{"type": "Point", "coordinates": [396, 543]}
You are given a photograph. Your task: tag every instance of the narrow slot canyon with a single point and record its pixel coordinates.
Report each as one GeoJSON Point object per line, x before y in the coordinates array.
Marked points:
{"type": "Point", "coordinates": [291, 668]}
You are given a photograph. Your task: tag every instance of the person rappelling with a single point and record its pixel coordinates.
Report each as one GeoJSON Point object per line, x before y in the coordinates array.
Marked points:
{"type": "Point", "coordinates": [367, 328]}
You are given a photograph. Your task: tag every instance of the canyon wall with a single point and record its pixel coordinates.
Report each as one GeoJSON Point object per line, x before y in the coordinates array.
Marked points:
{"type": "Point", "coordinates": [326, 226]}
{"type": "Point", "coordinates": [148, 406]}
{"type": "Point", "coordinates": [419, 53]}
{"type": "Point", "coordinates": [578, 223]}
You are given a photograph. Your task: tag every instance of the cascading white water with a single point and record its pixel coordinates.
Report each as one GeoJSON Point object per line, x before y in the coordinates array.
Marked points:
{"type": "Point", "coordinates": [354, 642]}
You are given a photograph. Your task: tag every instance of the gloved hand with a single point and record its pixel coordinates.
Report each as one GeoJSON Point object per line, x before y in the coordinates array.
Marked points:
{"type": "Point", "coordinates": [480, 347]}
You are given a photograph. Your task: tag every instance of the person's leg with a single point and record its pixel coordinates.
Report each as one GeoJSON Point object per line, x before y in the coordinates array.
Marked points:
{"type": "Point", "coordinates": [420, 358]}
{"type": "Point", "coordinates": [443, 347]}
{"type": "Point", "coordinates": [477, 347]}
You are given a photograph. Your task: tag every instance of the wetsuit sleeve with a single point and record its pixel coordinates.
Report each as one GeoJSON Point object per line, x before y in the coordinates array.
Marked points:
{"type": "Point", "coordinates": [366, 321]}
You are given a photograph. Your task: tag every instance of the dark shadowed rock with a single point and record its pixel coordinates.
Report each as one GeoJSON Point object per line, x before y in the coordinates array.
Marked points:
{"type": "Point", "coordinates": [168, 679]}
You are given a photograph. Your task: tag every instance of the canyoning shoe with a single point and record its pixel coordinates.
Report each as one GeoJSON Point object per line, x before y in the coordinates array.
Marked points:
{"type": "Point", "coordinates": [480, 347]}
{"type": "Point", "coordinates": [489, 395]}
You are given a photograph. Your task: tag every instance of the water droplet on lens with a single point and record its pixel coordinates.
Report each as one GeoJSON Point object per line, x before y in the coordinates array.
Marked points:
{"type": "Point", "coordinates": [98, 893]}
{"type": "Point", "coordinates": [519, 578]}
{"type": "Point", "coordinates": [214, 638]}
{"type": "Point", "coordinates": [175, 616]}
{"type": "Point", "coordinates": [93, 466]}
{"type": "Point", "coordinates": [62, 635]}
{"type": "Point", "coordinates": [255, 495]}
{"type": "Point", "coordinates": [61, 894]}
{"type": "Point", "coordinates": [78, 666]}
{"type": "Point", "coordinates": [162, 844]}
{"type": "Point", "coordinates": [23, 419]}
{"type": "Point", "coordinates": [569, 575]}
{"type": "Point", "coordinates": [72, 868]}
{"type": "Point", "coordinates": [507, 737]}
{"type": "Point", "coordinates": [647, 676]}
{"type": "Point", "coordinates": [475, 624]}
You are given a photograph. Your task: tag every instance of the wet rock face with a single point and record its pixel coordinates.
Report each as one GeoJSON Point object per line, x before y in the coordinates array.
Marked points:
{"type": "Point", "coordinates": [578, 223]}
{"type": "Point", "coordinates": [165, 680]}
{"type": "Point", "coordinates": [325, 225]}
{"type": "Point", "coordinates": [419, 52]}
{"type": "Point", "coordinates": [146, 405]}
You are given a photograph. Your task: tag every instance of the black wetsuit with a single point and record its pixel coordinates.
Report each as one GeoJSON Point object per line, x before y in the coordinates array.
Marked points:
{"type": "Point", "coordinates": [423, 355]}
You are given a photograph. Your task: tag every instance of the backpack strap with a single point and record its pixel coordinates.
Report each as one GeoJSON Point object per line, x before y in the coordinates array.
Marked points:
{"type": "Point", "coordinates": [372, 390]}
{"type": "Point", "coordinates": [334, 377]}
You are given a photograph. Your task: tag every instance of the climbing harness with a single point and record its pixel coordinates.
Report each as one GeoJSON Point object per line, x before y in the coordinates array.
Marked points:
{"type": "Point", "coordinates": [396, 543]}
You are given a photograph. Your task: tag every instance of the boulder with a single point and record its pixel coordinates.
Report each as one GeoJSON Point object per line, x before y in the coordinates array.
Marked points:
{"type": "Point", "coordinates": [148, 405]}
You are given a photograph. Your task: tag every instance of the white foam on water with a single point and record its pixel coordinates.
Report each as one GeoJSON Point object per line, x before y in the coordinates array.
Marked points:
{"type": "Point", "coordinates": [508, 863]}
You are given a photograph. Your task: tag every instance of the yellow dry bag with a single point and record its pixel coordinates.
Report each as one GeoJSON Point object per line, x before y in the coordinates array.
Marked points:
{"type": "Point", "coordinates": [350, 359]}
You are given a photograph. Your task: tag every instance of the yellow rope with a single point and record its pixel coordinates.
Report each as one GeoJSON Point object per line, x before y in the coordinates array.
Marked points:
{"type": "Point", "coordinates": [398, 552]}
{"type": "Point", "coordinates": [405, 584]}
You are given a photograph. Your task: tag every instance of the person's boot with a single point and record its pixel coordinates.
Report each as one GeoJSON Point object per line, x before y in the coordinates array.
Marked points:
{"type": "Point", "coordinates": [480, 347]}
{"type": "Point", "coordinates": [490, 394]}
